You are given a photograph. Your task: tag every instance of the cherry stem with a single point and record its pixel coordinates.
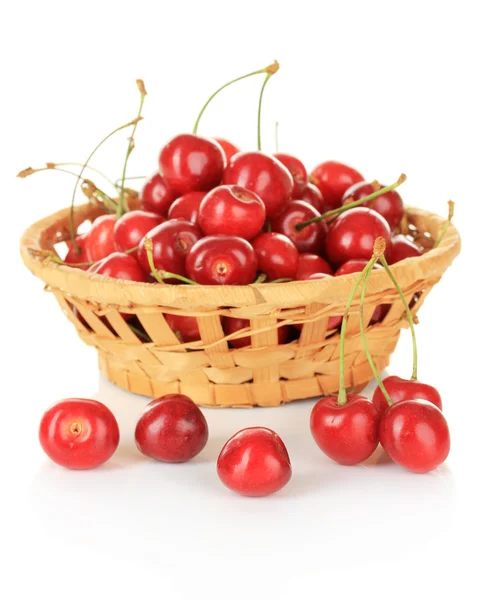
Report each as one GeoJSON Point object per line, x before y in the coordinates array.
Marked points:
{"type": "Point", "coordinates": [259, 112]}
{"type": "Point", "coordinates": [78, 164]}
{"type": "Point", "coordinates": [121, 208]}
{"type": "Point", "coordinates": [451, 205]}
{"type": "Point", "coordinates": [261, 278]}
{"type": "Point", "coordinates": [277, 136]}
{"type": "Point", "coordinates": [169, 275]}
{"type": "Point", "coordinates": [342, 209]}
{"type": "Point", "coordinates": [118, 184]}
{"type": "Point", "coordinates": [269, 69]}
{"type": "Point", "coordinates": [160, 276]}
{"type": "Point", "coordinates": [365, 342]}
{"type": "Point", "coordinates": [281, 280]}
{"type": "Point", "coordinates": [138, 332]}
{"type": "Point", "coordinates": [409, 314]}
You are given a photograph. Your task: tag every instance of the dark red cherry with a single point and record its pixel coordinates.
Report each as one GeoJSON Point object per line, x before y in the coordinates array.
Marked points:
{"type": "Point", "coordinates": [120, 266]}
{"type": "Point", "coordinates": [353, 234]}
{"type": "Point", "coordinates": [277, 255]}
{"type": "Point", "coordinates": [72, 257]}
{"type": "Point", "coordinates": [185, 328]}
{"type": "Point", "coordinates": [264, 175]}
{"type": "Point", "coordinates": [222, 260]}
{"type": "Point", "coordinates": [99, 241]}
{"type": "Point", "coordinates": [310, 238]}
{"type": "Point", "coordinates": [400, 248]}
{"type": "Point", "coordinates": [389, 205]}
{"type": "Point", "coordinates": [297, 170]}
{"type": "Point", "coordinates": [157, 196]}
{"type": "Point", "coordinates": [132, 227]}
{"type": "Point", "coordinates": [313, 196]}
{"type": "Point", "coordinates": [192, 163]}
{"type": "Point", "coordinates": [187, 207]}
{"type": "Point", "coordinates": [309, 264]}
{"type": "Point", "coordinates": [231, 210]}
{"type": "Point", "coordinates": [172, 241]}
{"type": "Point", "coordinates": [229, 148]}
{"type": "Point", "coordinates": [234, 324]}
{"type": "Point", "coordinates": [405, 389]}
{"type": "Point", "coordinates": [332, 322]}
{"type": "Point", "coordinates": [333, 179]}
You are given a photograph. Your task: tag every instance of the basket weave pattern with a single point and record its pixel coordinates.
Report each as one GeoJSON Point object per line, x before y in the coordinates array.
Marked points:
{"type": "Point", "coordinates": [209, 371]}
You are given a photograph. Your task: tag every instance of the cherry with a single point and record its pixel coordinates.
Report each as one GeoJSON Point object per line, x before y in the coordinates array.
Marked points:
{"type": "Point", "coordinates": [262, 174]}
{"type": "Point", "coordinates": [309, 264]}
{"type": "Point", "coordinates": [234, 324]}
{"type": "Point", "coordinates": [78, 433]}
{"type": "Point", "coordinates": [353, 233]}
{"type": "Point", "coordinates": [221, 260]}
{"type": "Point", "coordinates": [99, 241]}
{"type": "Point", "coordinates": [120, 266]}
{"type": "Point", "coordinates": [310, 238]}
{"type": "Point", "coordinates": [157, 195]}
{"type": "Point", "coordinates": [277, 256]}
{"type": "Point", "coordinates": [229, 149]}
{"type": "Point", "coordinates": [191, 163]}
{"type": "Point", "coordinates": [297, 170]}
{"type": "Point", "coordinates": [171, 242]}
{"type": "Point", "coordinates": [404, 389]}
{"type": "Point", "coordinates": [333, 179]}
{"type": "Point", "coordinates": [389, 205]}
{"type": "Point", "coordinates": [132, 227]}
{"type": "Point", "coordinates": [172, 429]}
{"type": "Point", "coordinates": [332, 322]}
{"type": "Point", "coordinates": [313, 196]}
{"type": "Point", "coordinates": [187, 207]}
{"type": "Point", "coordinates": [231, 210]}
{"type": "Point", "coordinates": [72, 256]}
{"type": "Point", "coordinates": [400, 248]}
{"type": "Point", "coordinates": [415, 435]}
{"type": "Point", "coordinates": [185, 328]}
{"type": "Point", "coordinates": [254, 462]}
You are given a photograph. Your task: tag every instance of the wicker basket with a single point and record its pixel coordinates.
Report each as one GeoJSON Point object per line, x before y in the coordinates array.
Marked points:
{"type": "Point", "coordinates": [209, 371]}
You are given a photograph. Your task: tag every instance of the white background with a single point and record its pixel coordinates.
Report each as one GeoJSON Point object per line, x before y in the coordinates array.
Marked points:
{"type": "Point", "coordinates": [385, 86]}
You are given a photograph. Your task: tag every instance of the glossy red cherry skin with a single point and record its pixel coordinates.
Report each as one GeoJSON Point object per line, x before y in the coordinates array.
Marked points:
{"type": "Point", "coordinates": [132, 227]}
{"type": "Point", "coordinates": [185, 328]}
{"type": "Point", "coordinates": [313, 196]}
{"type": "Point", "coordinates": [401, 248]}
{"type": "Point", "coordinates": [78, 433]}
{"type": "Point", "coordinates": [229, 149]}
{"type": "Point", "coordinates": [187, 207]}
{"type": "Point", "coordinates": [389, 205]}
{"type": "Point", "coordinates": [405, 389]}
{"type": "Point", "coordinates": [234, 324]}
{"type": "Point", "coordinates": [120, 266]}
{"type": "Point", "coordinates": [72, 257]}
{"type": "Point", "coordinates": [172, 429]}
{"type": "Point", "coordinates": [231, 210]}
{"type": "Point", "coordinates": [254, 462]}
{"type": "Point", "coordinates": [99, 239]}
{"type": "Point", "coordinates": [353, 234]}
{"type": "Point", "coordinates": [415, 435]}
{"type": "Point", "coordinates": [297, 170]}
{"type": "Point", "coordinates": [191, 163]}
{"type": "Point", "coordinates": [264, 175]}
{"type": "Point", "coordinates": [308, 264]}
{"type": "Point", "coordinates": [332, 322]}
{"type": "Point", "coordinates": [309, 239]}
{"type": "Point", "coordinates": [333, 179]}
{"type": "Point", "coordinates": [277, 255]}
{"type": "Point", "coordinates": [157, 195]}
{"type": "Point", "coordinates": [172, 241]}
{"type": "Point", "coordinates": [347, 434]}
{"type": "Point", "coordinates": [222, 260]}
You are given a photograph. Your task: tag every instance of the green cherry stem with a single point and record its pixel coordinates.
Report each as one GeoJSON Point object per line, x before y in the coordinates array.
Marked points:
{"type": "Point", "coordinates": [89, 167]}
{"type": "Point", "coordinates": [269, 69]}
{"type": "Point", "coordinates": [342, 209]}
{"type": "Point", "coordinates": [139, 333]}
{"type": "Point", "coordinates": [158, 275]}
{"type": "Point", "coordinates": [261, 278]}
{"type": "Point", "coordinates": [120, 209]}
{"type": "Point", "coordinates": [169, 275]}
{"type": "Point", "coordinates": [281, 280]}
{"type": "Point", "coordinates": [259, 112]}
{"type": "Point", "coordinates": [451, 206]}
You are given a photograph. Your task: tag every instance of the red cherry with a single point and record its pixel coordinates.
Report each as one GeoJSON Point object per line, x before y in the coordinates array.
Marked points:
{"type": "Point", "coordinates": [415, 435]}
{"type": "Point", "coordinates": [254, 462]}
{"type": "Point", "coordinates": [297, 170]}
{"type": "Point", "coordinates": [120, 266]}
{"type": "Point", "coordinates": [277, 255]}
{"type": "Point", "coordinates": [262, 174]}
{"type": "Point", "coordinates": [333, 179]}
{"type": "Point", "coordinates": [172, 242]}
{"type": "Point", "coordinates": [72, 257]}
{"type": "Point", "coordinates": [401, 248]}
{"type": "Point", "coordinates": [353, 234]}
{"type": "Point", "coordinates": [191, 163]}
{"type": "Point", "coordinates": [389, 205]}
{"type": "Point", "coordinates": [309, 264]}
{"type": "Point", "coordinates": [172, 429]}
{"type": "Point", "coordinates": [229, 148]}
{"type": "Point", "coordinates": [132, 227]}
{"type": "Point", "coordinates": [78, 433]}
{"type": "Point", "coordinates": [310, 238]}
{"type": "Point", "coordinates": [99, 239]}
{"type": "Point", "coordinates": [347, 434]}
{"type": "Point", "coordinates": [234, 324]}
{"type": "Point", "coordinates": [404, 389]}
{"type": "Point", "coordinates": [185, 328]}
{"type": "Point", "coordinates": [157, 196]}
{"type": "Point", "coordinates": [313, 196]}
{"type": "Point", "coordinates": [222, 260]}
{"type": "Point", "coordinates": [187, 207]}
{"type": "Point", "coordinates": [332, 322]}
{"type": "Point", "coordinates": [231, 210]}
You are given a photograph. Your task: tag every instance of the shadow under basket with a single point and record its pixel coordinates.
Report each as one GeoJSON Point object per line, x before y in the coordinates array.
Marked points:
{"type": "Point", "coordinates": [144, 355]}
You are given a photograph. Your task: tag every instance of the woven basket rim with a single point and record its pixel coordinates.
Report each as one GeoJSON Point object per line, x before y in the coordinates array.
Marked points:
{"type": "Point", "coordinates": [104, 290]}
